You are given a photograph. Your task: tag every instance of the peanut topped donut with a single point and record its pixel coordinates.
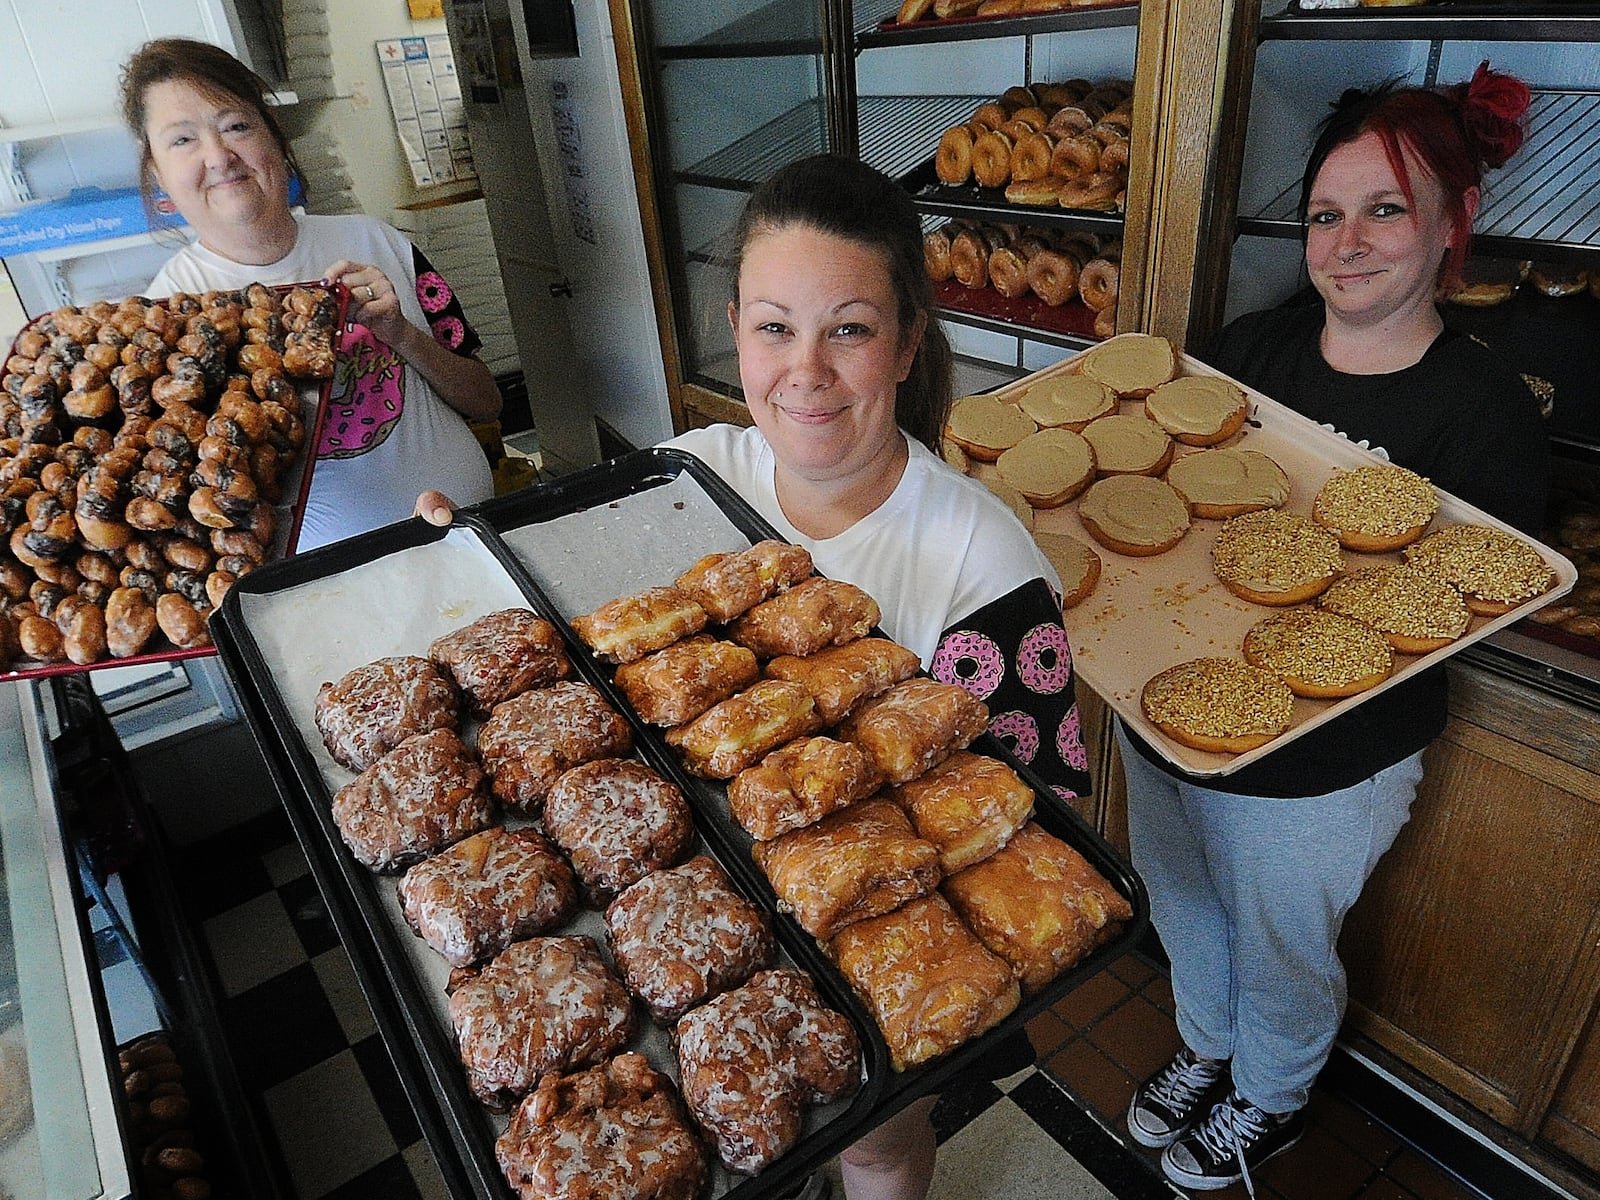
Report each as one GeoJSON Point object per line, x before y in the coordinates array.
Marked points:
{"type": "Point", "coordinates": [1319, 654]}
{"type": "Point", "coordinates": [1275, 558]}
{"type": "Point", "coordinates": [1375, 508]}
{"type": "Point", "coordinates": [1416, 613]}
{"type": "Point", "coordinates": [1218, 704]}
{"type": "Point", "coordinates": [1493, 570]}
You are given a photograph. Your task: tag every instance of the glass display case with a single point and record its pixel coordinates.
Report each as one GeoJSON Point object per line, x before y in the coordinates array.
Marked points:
{"type": "Point", "coordinates": [60, 1137]}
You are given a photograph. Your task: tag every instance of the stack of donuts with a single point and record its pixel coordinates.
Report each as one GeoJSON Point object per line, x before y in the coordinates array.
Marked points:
{"type": "Point", "coordinates": [1056, 266]}
{"type": "Point", "coordinates": [1047, 144]}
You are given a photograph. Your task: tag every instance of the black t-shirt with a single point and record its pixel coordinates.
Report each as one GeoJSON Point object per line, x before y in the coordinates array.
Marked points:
{"type": "Point", "coordinates": [1461, 417]}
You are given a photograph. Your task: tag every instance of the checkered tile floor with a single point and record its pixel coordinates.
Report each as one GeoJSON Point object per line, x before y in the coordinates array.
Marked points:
{"type": "Point", "coordinates": [305, 1042]}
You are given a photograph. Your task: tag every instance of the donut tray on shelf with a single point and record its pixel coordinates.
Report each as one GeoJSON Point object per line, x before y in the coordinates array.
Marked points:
{"type": "Point", "coordinates": [1150, 613]}
{"type": "Point", "coordinates": [295, 486]}
{"type": "Point", "coordinates": [974, 203]}
{"type": "Point", "coordinates": [1074, 319]}
{"type": "Point", "coordinates": [560, 549]}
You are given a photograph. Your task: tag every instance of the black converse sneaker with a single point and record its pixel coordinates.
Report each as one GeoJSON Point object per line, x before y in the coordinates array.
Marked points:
{"type": "Point", "coordinates": [1165, 1105]}
{"type": "Point", "coordinates": [1234, 1140]}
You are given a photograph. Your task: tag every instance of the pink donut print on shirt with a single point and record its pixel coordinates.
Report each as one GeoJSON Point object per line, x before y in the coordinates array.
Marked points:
{"type": "Point", "coordinates": [367, 398]}
{"type": "Point", "coordinates": [969, 660]}
{"type": "Point", "coordinates": [1018, 730]}
{"type": "Point", "coordinates": [1069, 741]}
{"type": "Point", "coordinates": [1044, 660]}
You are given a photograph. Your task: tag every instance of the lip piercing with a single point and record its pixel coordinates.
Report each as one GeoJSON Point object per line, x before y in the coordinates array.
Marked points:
{"type": "Point", "coordinates": [371, 295]}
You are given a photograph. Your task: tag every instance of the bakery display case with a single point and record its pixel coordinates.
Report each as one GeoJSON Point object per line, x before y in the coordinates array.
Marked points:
{"type": "Point", "coordinates": [723, 94]}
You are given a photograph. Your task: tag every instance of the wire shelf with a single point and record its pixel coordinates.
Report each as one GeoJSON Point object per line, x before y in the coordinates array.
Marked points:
{"type": "Point", "coordinates": [746, 162]}
{"type": "Point", "coordinates": [1549, 193]}
{"type": "Point", "coordinates": [900, 133]}
{"type": "Point", "coordinates": [874, 25]}
{"type": "Point", "coordinates": [1458, 20]}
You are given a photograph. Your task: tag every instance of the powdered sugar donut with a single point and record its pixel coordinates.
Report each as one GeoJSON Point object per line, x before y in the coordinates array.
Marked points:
{"type": "Point", "coordinates": [1019, 731]}
{"type": "Point", "coordinates": [1069, 740]}
{"type": "Point", "coordinates": [970, 660]}
{"type": "Point", "coordinates": [1044, 660]}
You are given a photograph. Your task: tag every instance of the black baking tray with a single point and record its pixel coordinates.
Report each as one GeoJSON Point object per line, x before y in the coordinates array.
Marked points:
{"type": "Point", "coordinates": [644, 469]}
{"type": "Point", "coordinates": [972, 202]}
{"type": "Point", "coordinates": [455, 1124]}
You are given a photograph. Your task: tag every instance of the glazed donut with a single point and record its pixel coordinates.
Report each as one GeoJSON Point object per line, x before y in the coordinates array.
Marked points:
{"type": "Point", "coordinates": [1105, 322]}
{"type": "Point", "coordinates": [991, 115]}
{"type": "Point", "coordinates": [1008, 272]}
{"type": "Point", "coordinates": [1075, 157]}
{"type": "Point", "coordinates": [1118, 123]}
{"type": "Point", "coordinates": [1114, 156]}
{"type": "Point", "coordinates": [1054, 95]}
{"type": "Point", "coordinates": [991, 159]}
{"type": "Point", "coordinates": [969, 259]}
{"type": "Point", "coordinates": [1019, 96]}
{"type": "Point", "coordinates": [1045, 191]}
{"type": "Point", "coordinates": [1053, 277]}
{"type": "Point", "coordinates": [1017, 130]}
{"type": "Point", "coordinates": [1069, 121]}
{"type": "Point", "coordinates": [936, 254]}
{"type": "Point", "coordinates": [913, 10]}
{"type": "Point", "coordinates": [1097, 284]}
{"type": "Point", "coordinates": [1096, 192]}
{"type": "Point", "coordinates": [1031, 159]}
{"type": "Point", "coordinates": [953, 160]}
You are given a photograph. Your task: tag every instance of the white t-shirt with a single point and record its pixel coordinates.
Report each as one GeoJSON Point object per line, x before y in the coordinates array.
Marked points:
{"type": "Point", "coordinates": [938, 549]}
{"type": "Point", "coordinates": [388, 435]}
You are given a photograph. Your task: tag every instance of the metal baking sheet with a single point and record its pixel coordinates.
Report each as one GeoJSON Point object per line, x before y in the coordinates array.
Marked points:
{"type": "Point", "coordinates": [1147, 614]}
{"type": "Point", "coordinates": [289, 510]}
{"type": "Point", "coordinates": [288, 628]}
{"type": "Point", "coordinates": [601, 539]}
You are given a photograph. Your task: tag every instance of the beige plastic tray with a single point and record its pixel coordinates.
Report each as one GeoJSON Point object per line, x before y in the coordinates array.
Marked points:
{"type": "Point", "coordinates": [1147, 614]}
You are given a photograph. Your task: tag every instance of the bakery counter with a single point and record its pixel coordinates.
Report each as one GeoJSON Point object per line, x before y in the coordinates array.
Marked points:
{"type": "Point", "coordinates": [60, 1133]}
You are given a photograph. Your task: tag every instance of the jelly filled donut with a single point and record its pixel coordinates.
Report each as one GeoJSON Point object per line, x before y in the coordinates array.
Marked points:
{"type": "Point", "coordinates": [1097, 284]}
{"type": "Point", "coordinates": [953, 161]}
{"type": "Point", "coordinates": [991, 159]}
{"type": "Point", "coordinates": [1053, 276]}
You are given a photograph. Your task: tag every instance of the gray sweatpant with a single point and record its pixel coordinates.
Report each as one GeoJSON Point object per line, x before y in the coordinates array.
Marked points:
{"type": "Point", "coordinates": [1248, 894]}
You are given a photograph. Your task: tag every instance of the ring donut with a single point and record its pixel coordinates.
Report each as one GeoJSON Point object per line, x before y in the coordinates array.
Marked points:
{"type": "Point", "coordinates": [1017, 130]}
{"type": "Point", "coordinates": [1053, 277]}
{"type": "Point", "coordinates": [1032, 156]}
{"type": "Point", "coordinates": [1105, 322]}
{"type": "Point", "coordinates": [969, 259]}
{"type": "Point", "coordinates": [1044, 660]}
{"type": "Point", "coordinates": [971, 661]}
{"type": "Point", "coordinates": [1019, 96]}
{"type": "Point", "coordinates": [1114, 156]}
{"type": "Point", "coordinates": [1008, 271]}
{"type": "Point", "coordinates": [1096, 192]}
{"type": "Point", "coordinates": [1068, 121]}
{"type": "Point", "coordinates": [936, 254]}
{"type": "Point", "coordinates": [1097, 284]}
{"type": "Point", "coordinates": [1055, 95]}
{"type": "Point", "coordinates": [1075, 157]}
{"type": "Point", "coordinates": [991, 159]}
{"type": "Point", "coordinates": [1118, 123]}
{"type": "Point", "coordinates": [991, 115]}
{"type": "Point", "coordinates": [953, 160]}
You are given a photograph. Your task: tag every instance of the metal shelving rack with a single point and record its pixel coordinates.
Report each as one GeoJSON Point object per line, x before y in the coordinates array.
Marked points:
{"type": "Point", "coordinates": [1470, 20]}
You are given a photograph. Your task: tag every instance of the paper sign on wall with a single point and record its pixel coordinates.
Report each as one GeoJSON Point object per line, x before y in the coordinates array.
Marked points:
{"type": "Point", "coordinates": [419, 73]}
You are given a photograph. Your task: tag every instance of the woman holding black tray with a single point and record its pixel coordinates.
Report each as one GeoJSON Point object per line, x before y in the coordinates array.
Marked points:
{"type": "Point", "coordinates": [409, 378]}
{"type": "Point", "coordinates": [1249, 886]}
{"type": "Point", "coordinates": [847, 377]}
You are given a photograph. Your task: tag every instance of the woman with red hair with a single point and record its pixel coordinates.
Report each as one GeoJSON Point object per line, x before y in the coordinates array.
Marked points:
{"type": "Point", "coordinates": [1249, 886]}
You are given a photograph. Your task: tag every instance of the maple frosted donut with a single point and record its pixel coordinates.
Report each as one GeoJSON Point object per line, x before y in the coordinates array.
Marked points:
{"type": "Point", "coordinates": [1375, 508]}
{"type": "Point", "coordinates": [1198, 410]}
{"type": "Point", "coordinates": [984, 426]}
{"type": "Point", "coordinates": [1053, 277]}
{"type": "Point", "coordinates": [1228, 482]}
{"type": "Point", "coordinates": [1049, 467]}
{"type": "Point", "coordinates": [936, 255]}
{"type": "Point", "coordinates": [1134, 515]}
{"type": "Point", "coordinates": [1069, 401]}
{"type": "Point", "coordinates": [952, 162]}
{"type": "Point", "coordinates": [972, 660]}
{"type": "Point", "coordinates": [1078, 566]}
{"type": "Point", "coordinates": [1221, 705]}
{"type": "Point", "coordinates": [991, 159]}
{"type": "Point", "coordinates": [1128, 444]}
{"type": "Point", "coordinates": [1098, 282]}
{"type": "Point", "coordinates": [1133, 365]}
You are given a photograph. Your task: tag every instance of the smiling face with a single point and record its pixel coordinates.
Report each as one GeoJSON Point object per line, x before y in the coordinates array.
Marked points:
{"type": "Point", "coordinates": [219, 162]}
{"type": "Point", "coordinates": [821, 353]}
{"type": "Point", "coordinates": [1371, 253]}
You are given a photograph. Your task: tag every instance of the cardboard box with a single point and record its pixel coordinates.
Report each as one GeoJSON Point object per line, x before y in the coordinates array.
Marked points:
{"type": "Point", "coordinates": [88, 214]}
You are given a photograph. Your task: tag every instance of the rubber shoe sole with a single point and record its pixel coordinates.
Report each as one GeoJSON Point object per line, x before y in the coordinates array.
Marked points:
{"type": "Point", "coordinates": [1186, 1178]}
